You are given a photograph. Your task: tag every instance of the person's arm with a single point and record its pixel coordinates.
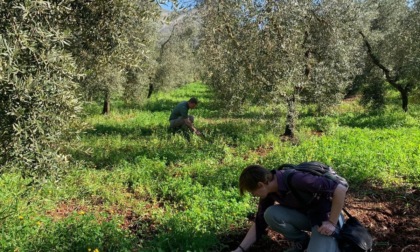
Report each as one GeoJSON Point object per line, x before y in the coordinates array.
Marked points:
{"type": "Point", "coordinates": [329, 226]}
{"type": "Point", "coordinates": [259, 226]}
{"type": "Point", "coordinates": [337, 203]}
{"type": "Point", "coordinates": [191, 126]}
{"type": "Point", "coordinates": [248, 240]}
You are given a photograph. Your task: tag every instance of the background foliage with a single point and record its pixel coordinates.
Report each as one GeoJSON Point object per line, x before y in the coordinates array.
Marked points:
{"type": "Point", "coordinates": [283, 53]}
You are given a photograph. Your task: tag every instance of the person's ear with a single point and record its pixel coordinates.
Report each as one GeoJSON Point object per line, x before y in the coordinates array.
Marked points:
{"type": "Point", "coordinates": [260, 184]}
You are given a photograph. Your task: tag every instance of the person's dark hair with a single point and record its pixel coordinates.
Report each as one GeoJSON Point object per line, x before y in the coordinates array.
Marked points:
{"type": "Point", "coordinates": [251, 175]}
{"type": "Point", "coordinates": [193, 100]}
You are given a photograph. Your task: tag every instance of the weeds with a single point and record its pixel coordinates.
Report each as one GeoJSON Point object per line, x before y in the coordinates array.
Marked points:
{"type": "Point", "coordinates": [137, 188]}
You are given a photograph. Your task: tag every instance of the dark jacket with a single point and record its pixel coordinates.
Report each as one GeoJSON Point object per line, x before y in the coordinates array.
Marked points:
{"type": "Point", "coordinates": [180, 110]}
{"type": "Point", "coordinates": [317, 211]}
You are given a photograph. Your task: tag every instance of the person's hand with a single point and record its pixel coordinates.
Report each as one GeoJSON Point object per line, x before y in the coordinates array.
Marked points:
{"type": "Point", "coordinates": [198, 133]}
{"type": "Point", "coordinates": [327, 228]}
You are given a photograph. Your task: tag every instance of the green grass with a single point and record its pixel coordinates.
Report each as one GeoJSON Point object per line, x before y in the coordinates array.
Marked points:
{"type": "Point", "coordinates": [134, 187]}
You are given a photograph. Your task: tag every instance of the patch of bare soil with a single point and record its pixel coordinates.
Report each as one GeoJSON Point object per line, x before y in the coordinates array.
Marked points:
{"type": "Point", "coordinates": [391, 216]}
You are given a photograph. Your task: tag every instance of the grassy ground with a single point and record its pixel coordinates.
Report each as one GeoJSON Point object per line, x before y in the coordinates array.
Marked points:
{"type": "Point", "coordinates": [136, 187]}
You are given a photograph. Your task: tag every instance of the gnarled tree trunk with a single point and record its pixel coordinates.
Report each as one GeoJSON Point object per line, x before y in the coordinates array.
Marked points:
{"type": "Point", "coordinates": [291, 117]}
{"type": "Point", "coordinates": [393, 80]}
{"type": "Point", "coordinates": [107, 107]}
{"type": "Point", "coordinates": [149, 94]}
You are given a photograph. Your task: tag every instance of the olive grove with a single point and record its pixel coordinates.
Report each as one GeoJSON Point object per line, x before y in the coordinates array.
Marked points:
{"type": "Point", "coordinates": [177, 62]}
{"type": "Point", "coordinates": [392, 47]}
{"type": "Point", "coordinates": [112, 44]}
{"type": "Point", "coordinates": [54, 55]}
{"type": "Point", "coordinates": [282, 51]}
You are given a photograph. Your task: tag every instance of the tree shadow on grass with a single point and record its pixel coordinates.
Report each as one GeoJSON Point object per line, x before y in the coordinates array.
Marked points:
{"type": "Point", "coordinates": [80, 232]}
{"type": "Point", "coordinates": [102, 129]}
{"type": "Point", "coordinates": [186, 240]}
{"type": "Point", "coordinates": [272, 242]}
{"type": "Point", "coordinates": [371, 120]}
{"type": "Point", "coordinates": [116, 150]}
{"type": "Point", "coordinates": [110, 154]}
{"type": "Point", "coordinates": [107, 159]}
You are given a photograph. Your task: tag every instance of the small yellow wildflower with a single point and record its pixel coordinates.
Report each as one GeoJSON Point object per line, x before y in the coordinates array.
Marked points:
{"type": "Point", "coordinates": [39, 223]}
{"type": "Point", "coordinates": [20, 217]}
{"type": "Point", "coordinates": [96, 250]}
{"type": "Point", "coordinates": [81, 212]}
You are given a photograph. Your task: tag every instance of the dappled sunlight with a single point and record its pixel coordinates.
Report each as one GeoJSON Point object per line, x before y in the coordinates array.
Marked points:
{"type": "Point", "coordinates": [138, 180]}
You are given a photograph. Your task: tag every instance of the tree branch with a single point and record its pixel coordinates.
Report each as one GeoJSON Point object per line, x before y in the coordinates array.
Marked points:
{"type": "Point", "coordinates": [376, 61]}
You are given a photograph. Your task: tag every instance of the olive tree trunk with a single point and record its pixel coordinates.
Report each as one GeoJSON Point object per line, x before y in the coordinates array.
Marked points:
{"type": "Point", "coordinates": [291, 117]}
{"type": "Point", "coordinates": [107, 107]}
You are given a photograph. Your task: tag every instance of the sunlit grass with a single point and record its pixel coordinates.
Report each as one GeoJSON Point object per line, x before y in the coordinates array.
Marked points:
{"type": "Point", "coordinates": [135, 187]}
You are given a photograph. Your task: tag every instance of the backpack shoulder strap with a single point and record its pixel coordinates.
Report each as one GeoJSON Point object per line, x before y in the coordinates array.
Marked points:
{"type": "Point", "coordinates": [285, 166]}
{"type": "Point", "coordinates": [347, 213]}
{"type": "Point", "coordinates": [313, 167]}
{"type": "Point", "coordinates": [287, 170]}
{"type": "Point", "coordinates": [287, 178]}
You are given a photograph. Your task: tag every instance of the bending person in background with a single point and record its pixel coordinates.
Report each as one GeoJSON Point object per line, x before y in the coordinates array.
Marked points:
{"type": "Point", "coordinates": [179, 118]}
{"type": "Point", "coordinates": [284, 213]}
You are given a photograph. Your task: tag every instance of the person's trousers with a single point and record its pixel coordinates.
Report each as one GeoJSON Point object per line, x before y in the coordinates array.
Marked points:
{"type": "Point", "coordinates": [293, 224]}
{"type": "Point", "coordinates": [180, 122]}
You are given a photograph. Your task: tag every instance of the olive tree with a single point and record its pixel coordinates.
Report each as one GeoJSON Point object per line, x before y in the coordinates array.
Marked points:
{"type": "Point", "coordinates": [177, 62]}
{"type": "Point", "coordinates": [138, 78]}
{"type": "Point", "coordinates": [281, 51]}
{"type": "Point", "coordinates": [38, 101]}
{"type": "Point", "coordinates": [111, 42]}
{"type": "Point", "coordinates": [392, 45]}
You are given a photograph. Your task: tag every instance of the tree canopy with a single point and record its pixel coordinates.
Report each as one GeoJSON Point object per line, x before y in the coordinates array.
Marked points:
{"type": "Point", "coordinates": [391, 43]}
{"type": "Point", "coordinates": [56, 55]}
{"type": "Point", "coordinates": [38, 99]}
{"type": "Point", "coordinates": [281, 51]}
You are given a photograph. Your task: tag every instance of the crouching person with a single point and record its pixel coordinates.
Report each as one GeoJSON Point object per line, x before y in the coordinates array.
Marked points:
{"type": "Point", "coordinates": [179, 118]}
{"type": "Point", "coordinates": [282, 208]}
